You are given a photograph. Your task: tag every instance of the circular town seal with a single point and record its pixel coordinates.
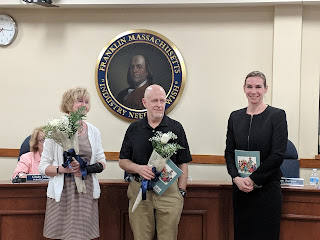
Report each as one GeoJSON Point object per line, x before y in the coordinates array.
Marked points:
{"type": "Point", "coordinates": [130, 63]}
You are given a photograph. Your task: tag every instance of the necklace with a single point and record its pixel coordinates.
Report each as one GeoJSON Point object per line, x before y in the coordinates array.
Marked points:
{"type": "Point", "coordinates": [81, 128]}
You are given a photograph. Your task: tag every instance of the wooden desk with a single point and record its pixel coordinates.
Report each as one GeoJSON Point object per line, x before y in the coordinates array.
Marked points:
{"type": "Point", "coordinates": [207, 213]}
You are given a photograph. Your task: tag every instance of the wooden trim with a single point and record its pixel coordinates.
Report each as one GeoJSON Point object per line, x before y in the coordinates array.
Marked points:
{"type": "Point", "coordinates": [22, 212]}
{"type": "Point", "coordinates": [6, 152]}
{"type": "Point", "coordinates": [114, 156]}
{"type": "Point", "coordinates": [208, 159]}
{"type": "Point", "coordinates": [309, 163]}
{"type": "Point", "coordinates": [300, 217]}
{"type": "Point", "coordinates": [202, 159]}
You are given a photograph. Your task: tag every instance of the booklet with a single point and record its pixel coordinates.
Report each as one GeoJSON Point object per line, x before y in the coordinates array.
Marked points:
{"type": "Point", "coordinates": [247, 161]}
{"type": "Point", "coordinates": [169, 175]}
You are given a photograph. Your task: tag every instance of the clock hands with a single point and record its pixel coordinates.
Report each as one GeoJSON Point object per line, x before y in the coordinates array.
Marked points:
{"type": "Point", "coordinates": [8, 30]}
{"type": "Point", "coordinates": [4, 29]}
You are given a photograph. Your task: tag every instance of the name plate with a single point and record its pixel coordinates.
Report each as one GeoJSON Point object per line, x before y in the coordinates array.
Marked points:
{"type": "Point", "coordinates": [37, 177]}
{"type": "Point", "coordinates": [292, 181]}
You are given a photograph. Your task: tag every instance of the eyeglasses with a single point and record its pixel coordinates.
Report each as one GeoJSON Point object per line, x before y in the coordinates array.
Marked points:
{"type": "Point", "coordinates": [41, 140]}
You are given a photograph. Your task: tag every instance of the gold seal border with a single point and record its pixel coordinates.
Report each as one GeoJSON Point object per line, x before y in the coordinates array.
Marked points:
{"type": "Point", "coordinates": [173, 47]}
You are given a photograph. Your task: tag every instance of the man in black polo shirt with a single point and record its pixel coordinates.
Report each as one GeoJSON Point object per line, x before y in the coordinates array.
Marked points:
{"type": "Point", "coordinates": [160, 213]}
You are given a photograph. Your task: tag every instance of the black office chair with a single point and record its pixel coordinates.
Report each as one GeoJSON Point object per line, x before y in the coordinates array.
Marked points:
{"type": "Point", "coordinates": [290, 166]}
{"type": "Point", "coordinates": [25, 147]}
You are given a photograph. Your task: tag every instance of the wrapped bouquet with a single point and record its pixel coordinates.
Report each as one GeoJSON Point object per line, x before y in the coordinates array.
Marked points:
{"type": "Point", "coordinates": [64, 132]}
{"type": "Point", "coordinates": [162, 151]}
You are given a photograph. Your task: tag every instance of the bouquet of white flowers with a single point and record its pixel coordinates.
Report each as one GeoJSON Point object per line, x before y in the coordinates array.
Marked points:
{"type": "Point", "coordinates": [63, 131]}
{"type": "Point", "coordinates": [162, 151]}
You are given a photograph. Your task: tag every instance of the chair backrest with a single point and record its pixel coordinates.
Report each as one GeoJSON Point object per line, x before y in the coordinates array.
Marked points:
{"type": "Point", "coordinates": [290, 166]}
{"type": "Point", "coordinates": [25, 147]}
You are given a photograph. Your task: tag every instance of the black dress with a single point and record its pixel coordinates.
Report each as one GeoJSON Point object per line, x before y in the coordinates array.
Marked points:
{"type": "Point", "coordinates": [257, 214]}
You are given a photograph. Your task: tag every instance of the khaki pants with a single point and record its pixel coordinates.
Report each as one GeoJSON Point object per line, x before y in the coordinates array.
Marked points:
{"type": "Point", "coordinates": [160, 212]}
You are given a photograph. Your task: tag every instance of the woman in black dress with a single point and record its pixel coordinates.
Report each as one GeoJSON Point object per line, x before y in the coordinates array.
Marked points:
{"type": "Point", "coordinates": [257, 199]}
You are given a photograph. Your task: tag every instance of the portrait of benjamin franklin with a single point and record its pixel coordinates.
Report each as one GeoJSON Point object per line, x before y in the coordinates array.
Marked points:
{"type": "Point", "coordinates": [135, 67]}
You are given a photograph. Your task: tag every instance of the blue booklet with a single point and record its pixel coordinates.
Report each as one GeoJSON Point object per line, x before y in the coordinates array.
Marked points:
{"type": "Point", "coordinates": [246, 162]}
{"type": "Point", "coordinates": [169, 174]}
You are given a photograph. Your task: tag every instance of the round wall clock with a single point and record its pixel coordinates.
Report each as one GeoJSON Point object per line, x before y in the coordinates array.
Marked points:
{"type": "Point", "coordinates": [8, 29]}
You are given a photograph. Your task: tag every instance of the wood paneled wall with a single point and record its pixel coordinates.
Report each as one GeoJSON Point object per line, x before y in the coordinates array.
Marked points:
{"type": "Point", "coordinates": [207, 213]}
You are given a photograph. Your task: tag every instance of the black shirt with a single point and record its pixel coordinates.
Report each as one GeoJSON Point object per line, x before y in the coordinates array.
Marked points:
{"type": "Point", "coordinates": [137, 147]}
{"type": "Point", "coordinates": [265, 132]}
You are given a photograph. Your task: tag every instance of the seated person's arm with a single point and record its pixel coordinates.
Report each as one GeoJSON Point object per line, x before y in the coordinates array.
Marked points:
{"type": "Point", "coordinates": [23, 165]}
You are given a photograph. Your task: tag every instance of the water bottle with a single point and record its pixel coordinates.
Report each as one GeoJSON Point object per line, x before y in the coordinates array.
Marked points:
{"type": "Point", "coordinates": [314, 178]}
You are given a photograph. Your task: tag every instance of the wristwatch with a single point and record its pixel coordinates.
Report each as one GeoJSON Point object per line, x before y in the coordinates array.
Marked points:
{"type": "Point", "coordinates": [183, 192]}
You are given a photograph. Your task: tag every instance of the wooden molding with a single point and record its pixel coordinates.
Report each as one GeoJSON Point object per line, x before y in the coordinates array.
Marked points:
{"type": "Point", "coordinates": [6, 152]}
{"type": "Point", "coordinates": [202, 159]}
{"type": "Point", "coordinates": [208, 159]}
{"type": "Point", "coordinates": [114, 156]}
{"type": "Point", "coordinates": [22, 212]}
{"type": "Point", "coordinates": [300, 217]}
{"type": "Point", "coordinates": [309, 163]}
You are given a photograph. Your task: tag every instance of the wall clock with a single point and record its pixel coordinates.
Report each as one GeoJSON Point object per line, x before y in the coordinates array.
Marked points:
{"type": "Point", "coordinates": [8, 29]}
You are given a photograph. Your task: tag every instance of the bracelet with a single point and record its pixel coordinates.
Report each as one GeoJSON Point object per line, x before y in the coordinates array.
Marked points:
{"type": "Point", "coordinates": [57, 170]}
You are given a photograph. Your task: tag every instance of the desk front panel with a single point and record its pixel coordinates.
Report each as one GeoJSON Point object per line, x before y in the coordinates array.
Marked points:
{"type": "Point", "coordinates": [207, 213]}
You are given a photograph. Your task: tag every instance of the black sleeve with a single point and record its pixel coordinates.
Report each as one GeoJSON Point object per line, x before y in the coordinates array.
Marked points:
{"type": "Point", "coordinates": [183, 155]}
{"type": "Point", "coordinates": [278, 149]}
{"type": "Point", "coordinates": [229, 151]}
{"type": "Point", "coordinates": [95, 168]}
{"type": "Point", "coordinates": [126, 148]}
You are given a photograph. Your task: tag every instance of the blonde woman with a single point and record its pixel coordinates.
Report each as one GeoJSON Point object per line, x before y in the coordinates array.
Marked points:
{"type": "Point", "coordinates": [69, 214]}
{"type": "Point", "coordinates": [29, 162]}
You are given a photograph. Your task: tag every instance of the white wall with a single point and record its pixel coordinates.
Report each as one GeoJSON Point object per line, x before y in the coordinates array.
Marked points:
{"type": "Point", "coordinates": [58, 48]}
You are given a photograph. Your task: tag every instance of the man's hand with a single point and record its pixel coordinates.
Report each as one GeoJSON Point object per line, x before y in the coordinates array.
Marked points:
{"type": "Point", "coordinates": [145, 171]}
{"type": "Point", "coordinates": [244, 184]}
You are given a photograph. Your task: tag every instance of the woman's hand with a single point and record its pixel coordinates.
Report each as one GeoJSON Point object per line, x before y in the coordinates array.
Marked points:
{"type": "Point", "coordinates": [244, 184]}
{"type": "Point", "coordinates": [75, 168]}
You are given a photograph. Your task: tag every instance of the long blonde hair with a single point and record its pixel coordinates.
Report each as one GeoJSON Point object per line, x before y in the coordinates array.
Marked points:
{"type": "Point", "coordinates": [34, 139]}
